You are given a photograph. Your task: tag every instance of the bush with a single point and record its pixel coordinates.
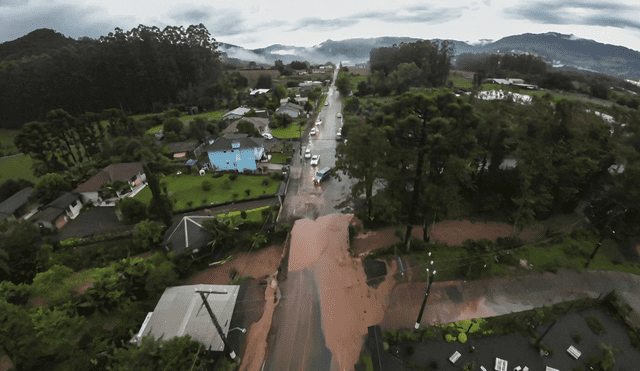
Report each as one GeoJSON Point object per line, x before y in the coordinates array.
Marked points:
{"type": "Point", "coordinates": [206, 185]}
{"type": "Point", "coordinates": [234, 196]}
{"type": "Point", "coordinates": [189, 203]}
{"type": "Point", "coordinates": [204, 201]}
{"type": "Point", "coordinates": [233, 177]}
{"type": "Point", "coordinates": [462, 338]}
{"type": "Point", "coordinates": [265, 182]}
{"type": "Point", "coordinates": [429, 334]}
{"type": "Point", "coordinates": [133, 210]}
{"type": "Point", "coordinates": [596, 326]}
{"type": "Point", "coordinates": [247, 191]}
{"type": "Point", "coordinates": [243, 214]}
{"type": "Point", "coordinates": [449, 338]}
{"type": "Point", "coordinates": [577, 337]}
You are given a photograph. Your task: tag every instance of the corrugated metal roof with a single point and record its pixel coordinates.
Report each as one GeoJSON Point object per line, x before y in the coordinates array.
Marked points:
{"type": "Point", "coordinates": [181, 311]}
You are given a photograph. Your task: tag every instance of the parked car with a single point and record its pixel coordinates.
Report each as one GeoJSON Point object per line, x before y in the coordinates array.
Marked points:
{"type": "Point", "coordinates": [267, 136]}
{"type": "Point", "coordinates": [339, 136]}
{"type": "Point", "coordinates": [307, 153]}
{"type": "Point", "coordinates": [314, 160]}
{"type": "Point", "coordinates": [321, 175]}
{"type": "Point", "coordinates": [326, 103]}
{"type": "Point", "coordinates": [319, 122]}
{"type": "Point", "coordinates": [313, 131]}
{"type": "Point", "coordinates": [339, 115]}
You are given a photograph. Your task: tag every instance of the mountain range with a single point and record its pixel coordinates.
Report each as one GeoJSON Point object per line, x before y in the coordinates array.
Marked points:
{"type": "Point", "coordinates": [559, 50]}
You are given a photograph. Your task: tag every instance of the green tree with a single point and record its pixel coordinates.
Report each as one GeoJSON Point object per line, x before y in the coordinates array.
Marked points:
{"type": "Point", "coordinates": [49, 284]}
{"type": "Point", "coordinates": [172, 125]}
{"type": "Point", "coordinates": [133, 210]}
{"type": "Point", "coordinates": [245, 127]}
{"type": "Point", "coordinates": [160, 205]}
{"type": "Point", "coordinates": [223, 229]}
{"type": "Point", "coordinates": [343, 83]}
{"type": "Point", "coordinates": [21, 243]}
{"type": "Point", "coordinates": [148, 234]}
{"type": "Point", "coordinates": [264, 82]}
{"type": "Point", "coordinates": [178, 353]}
{"type": "Point", "coordinates": [49, 187]}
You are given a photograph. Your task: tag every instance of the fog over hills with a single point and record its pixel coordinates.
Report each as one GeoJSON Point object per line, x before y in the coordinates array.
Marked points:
{"type": "Point", "coordinates": [555, 48]}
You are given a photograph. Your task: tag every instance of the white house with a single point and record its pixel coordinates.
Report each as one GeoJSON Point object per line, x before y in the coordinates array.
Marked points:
{"type": "Point", "coordinates": [131, 172]}
{"type": "Point", "coordinates": [59, 212]}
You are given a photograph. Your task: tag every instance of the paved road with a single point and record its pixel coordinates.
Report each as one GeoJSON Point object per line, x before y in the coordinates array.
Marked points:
{"type": "Point", "coordinates": [299, 342]}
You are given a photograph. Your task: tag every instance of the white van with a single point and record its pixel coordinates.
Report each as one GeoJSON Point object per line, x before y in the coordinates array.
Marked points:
{"type": "Point", "coordinates": [321, 175]}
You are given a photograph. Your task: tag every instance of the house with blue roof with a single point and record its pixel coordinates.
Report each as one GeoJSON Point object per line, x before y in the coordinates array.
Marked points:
{"type": "Point", "coordinates": [236, 152]}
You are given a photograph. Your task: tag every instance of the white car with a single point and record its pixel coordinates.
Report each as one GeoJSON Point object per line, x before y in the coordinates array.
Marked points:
{"type": "Point", "coordinates": [267, 136]}
{"type": "Point", "coordinates": [314, 160]}
{"type": "Point", "coordinates": [307, 153]}
{"type": "Point", "coordinates": [313, 131]}
{"type": "Point", "coordinates": [319, 122]}
{"type": "Point", "coordinates": [326, 103]}
{"type": "Point", "coordinates": [339, 115]}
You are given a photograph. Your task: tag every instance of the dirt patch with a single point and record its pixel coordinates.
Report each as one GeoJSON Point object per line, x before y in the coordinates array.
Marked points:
{"type": "Point", "coordinates": [257, 264]}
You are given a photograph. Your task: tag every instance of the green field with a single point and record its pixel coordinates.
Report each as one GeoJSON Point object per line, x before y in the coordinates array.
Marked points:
{"type": "Point", "coordinates": [187, 188]}
{"type": "Point", "coordinates": [204, 115]}
{"type": "Point", "coordinates": [18, 167]}
{"type": "Point", "coordinates": [154, 129]}
{"type": "Point", "coordinates": [461, 82]}
{"type": "Point", "coordinates": [291, 131]}
{"type": "Point", "coordinates": [253, 215]}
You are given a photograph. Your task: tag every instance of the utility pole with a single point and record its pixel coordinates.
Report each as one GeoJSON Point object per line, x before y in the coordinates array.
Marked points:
{"type": "Point", "coordinates": [232, 354]}
{"type": "Point", "coordinates": [593, 254]}
{"type": "Point", "coordinates": [426, 295]}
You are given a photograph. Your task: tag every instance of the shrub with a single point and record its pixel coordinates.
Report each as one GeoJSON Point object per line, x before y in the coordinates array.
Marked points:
{"type": "Point", "coordinates": [469, 366]}
{"type": "Point", "coordinates": [206, 185]}
{"type": "Point", "coordinates": [204, 201]}
{"type": "Point", "coordinates": [234, 196]}
{"type": "Point", "coordinates": [133, 210]}
{"type": "Point", "coordinates": [233, 177]}
{"type": "Point", "coordinates": [577, 337]}
{"type": "Point", "coordinates": [449, 338]}
{"type": "Point", "coordinates": [462, 338]}
{"type": "Point", "coordinates": [429, 334]}
{"type": "Point", "coordinates": [247, 191]}
{"type": "Point", "coordinates": [265, 182]}
{"type": "Point", "coordinates": [243, 214]}
{"type": "Point", "coordinates": [596, 326]}
{"type": "Point", "coordinates": [190, 203]}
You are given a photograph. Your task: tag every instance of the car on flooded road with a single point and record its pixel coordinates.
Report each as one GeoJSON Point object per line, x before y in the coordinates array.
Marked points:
{"type": "Point", "coordinates": [314, 160]}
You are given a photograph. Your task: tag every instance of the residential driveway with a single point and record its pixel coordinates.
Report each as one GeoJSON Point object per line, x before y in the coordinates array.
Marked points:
{"type": "Point", "coordinates": [93, 222]}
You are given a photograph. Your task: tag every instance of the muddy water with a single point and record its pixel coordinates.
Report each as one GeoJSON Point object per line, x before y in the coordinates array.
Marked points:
{"type": "Point", "coordinates": [348, 305]}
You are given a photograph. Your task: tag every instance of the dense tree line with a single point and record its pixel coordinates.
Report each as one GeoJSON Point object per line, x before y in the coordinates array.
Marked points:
{"type": "Point", "coordinates": [432, 60]}
{"type": "Point", "coordinates": [442, 156]}
{"type": "Point", "coordinates": [136, 71]}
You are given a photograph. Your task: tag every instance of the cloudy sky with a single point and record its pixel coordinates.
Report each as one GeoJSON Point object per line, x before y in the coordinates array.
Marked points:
{"type": "Point", "coordinates": [258, 23]}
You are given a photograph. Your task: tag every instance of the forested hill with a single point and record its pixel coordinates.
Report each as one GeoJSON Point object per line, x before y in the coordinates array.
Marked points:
{"type": "Point", "coordinates": [35, 43]}
{"type": "Point", "coordinates": [139, 70]}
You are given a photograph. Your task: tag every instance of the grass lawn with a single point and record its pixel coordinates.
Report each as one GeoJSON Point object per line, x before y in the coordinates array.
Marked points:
{"type": "Point", "coordinates": [253, 215]}
{"type": "Point", "coordinates": [204, 115]}
{"type": "Point", "coordinates": [7, 137]}
{"type": "Point", "coordinates": [154, 130]}
{"type": "Point", "coordinates": [291, 131]}
{"type": "Point", "coordinates": [280, 158]}
{"type": "Point", "coordinates": [186, 188]}
{"type": "Point", "coordinates": [18, 167]}
{"type": "Point", "coordinates": [461, 82]}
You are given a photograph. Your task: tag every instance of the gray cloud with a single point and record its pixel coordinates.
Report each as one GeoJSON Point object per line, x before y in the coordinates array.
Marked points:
{"type": "Point", "coordinates": [10, 3]}
{"type": "Point", "coordinates": [70, 20]}
{"type": "Point", "coordinates": [608, 14]}
{"type": "Point", "coordinates": [219, 22]}
{"type": "Point", "coordinates": [317, 24]}
{"type": "Point", "coordinates": [421, 14]}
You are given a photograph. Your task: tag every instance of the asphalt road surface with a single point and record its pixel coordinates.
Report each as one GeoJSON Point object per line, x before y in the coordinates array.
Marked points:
{"type": "Point", "coordinates": [299, 340]}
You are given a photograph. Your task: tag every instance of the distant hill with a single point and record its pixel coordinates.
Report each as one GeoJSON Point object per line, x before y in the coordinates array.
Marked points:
{"type": "Point", "coordinates": [555, 48]}
{"type": "Point", "coordinates": [34, 43]}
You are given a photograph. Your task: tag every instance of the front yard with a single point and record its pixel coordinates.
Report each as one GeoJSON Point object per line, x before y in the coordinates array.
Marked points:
{"type": "Point", "coordinates": [291, 131]}
{"type": "Point", "coordinates": [186, 191]}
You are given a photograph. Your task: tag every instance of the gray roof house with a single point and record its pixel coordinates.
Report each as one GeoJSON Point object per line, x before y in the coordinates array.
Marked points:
{"type": "Point", "coordinates": [187, 234]}
{"type": "Point", "coordinates": [181, 149]}
{"type": "Point", "coordinates": [290, 109]}
{"type": "Point", "coordinates": [13, 206]}
{"type": "Point", "coordinates": [58, 213]}
{"type": "Point", "coordinates": [236, 113]}
{"type": "Point", "coordinates": [181, 311]}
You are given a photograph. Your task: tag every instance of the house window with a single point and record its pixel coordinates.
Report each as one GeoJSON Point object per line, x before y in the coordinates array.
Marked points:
{"type": "Point", "coordinates": [227, 162]}
{"type": "Point", "coordinates": [225, 151]}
